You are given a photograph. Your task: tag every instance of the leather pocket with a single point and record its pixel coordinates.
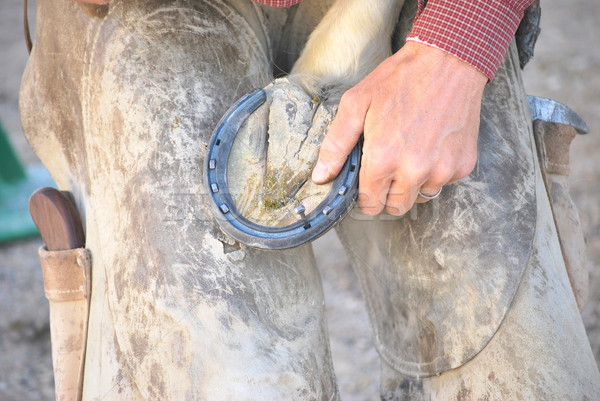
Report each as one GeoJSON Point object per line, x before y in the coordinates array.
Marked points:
{"type": "Point", "coordinates": [67, 282]}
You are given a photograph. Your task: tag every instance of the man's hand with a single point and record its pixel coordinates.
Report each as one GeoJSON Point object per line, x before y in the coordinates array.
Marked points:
{"type": "Point", "coordinates": [419, 112]}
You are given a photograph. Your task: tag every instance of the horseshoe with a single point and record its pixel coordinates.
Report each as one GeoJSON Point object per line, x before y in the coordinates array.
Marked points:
{"type": "Point", "coordinates": [329, 212]}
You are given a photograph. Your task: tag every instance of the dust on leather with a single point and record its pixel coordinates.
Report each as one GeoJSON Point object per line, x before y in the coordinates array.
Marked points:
{"type": "Point", "coordinates": [273, 156]}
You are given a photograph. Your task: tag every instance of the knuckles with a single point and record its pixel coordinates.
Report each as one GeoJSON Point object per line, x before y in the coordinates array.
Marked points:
{"type": "Point", "coordinates": [413, 173]}
{"type": "Point", "coordinates": [350, 98]}
{"type": "Point", "coordinates": [465, 167]}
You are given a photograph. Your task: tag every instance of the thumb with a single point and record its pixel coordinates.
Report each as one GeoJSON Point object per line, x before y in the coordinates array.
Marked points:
{"type": "Point", "coordinates": [344, 133]}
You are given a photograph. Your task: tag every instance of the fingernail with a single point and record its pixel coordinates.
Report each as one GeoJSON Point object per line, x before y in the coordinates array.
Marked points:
{"type": "Point", "coordinates": [319, 173]}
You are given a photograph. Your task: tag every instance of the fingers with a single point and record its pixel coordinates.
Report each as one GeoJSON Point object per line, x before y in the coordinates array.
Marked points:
{"type": "Point", "coordinates": [400, 198]}
{"type": "Point", "coordinates": [385, 185]}
{"type": "Point", "coordinates": [372, 193]}
{"type": "Point", "coordinates": [396, 199]}
{"type": "Point", "coordinates": [345, 130]}
{"type": "Point", "coordinates": [425, 195]}
{"type": "Point", "coordinates": [396, 196]}
{"type": "Point", "coordinates": [432, 188]}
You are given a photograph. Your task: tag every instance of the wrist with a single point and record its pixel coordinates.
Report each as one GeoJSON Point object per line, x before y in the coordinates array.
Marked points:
{"type": "Point", "coordinates": [447, 65]}
{"type": "Point", "coordinates": [477, 32]}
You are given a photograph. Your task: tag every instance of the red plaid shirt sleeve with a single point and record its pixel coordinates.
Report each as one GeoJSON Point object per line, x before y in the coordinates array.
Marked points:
{"type": "Point", "coordinates": [278, 3]}
{"type": "Point", "coordinates": [476, 31]}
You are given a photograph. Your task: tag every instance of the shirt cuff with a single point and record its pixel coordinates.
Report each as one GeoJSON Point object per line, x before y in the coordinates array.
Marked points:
{"type": "Point", "coordinates": [476, 31]}
{"type": "Point", "coordinates": [278, 3]}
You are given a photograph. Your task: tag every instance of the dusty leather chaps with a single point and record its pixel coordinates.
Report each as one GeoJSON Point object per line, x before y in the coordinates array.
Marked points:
{"type": "Point", "coordinates": [467, 294]}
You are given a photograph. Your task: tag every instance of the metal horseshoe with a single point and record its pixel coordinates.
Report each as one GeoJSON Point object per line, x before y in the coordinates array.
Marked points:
{"type": "Point", "coordinates": [310, 226]}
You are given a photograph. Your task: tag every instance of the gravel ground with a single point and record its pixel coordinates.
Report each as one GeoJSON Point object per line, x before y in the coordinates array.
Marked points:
{"type": "Point", "coordinates": [565, 67]}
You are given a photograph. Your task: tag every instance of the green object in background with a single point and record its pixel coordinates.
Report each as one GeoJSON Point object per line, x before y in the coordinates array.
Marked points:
{"type": "Point", "coordinates": [17, 183]}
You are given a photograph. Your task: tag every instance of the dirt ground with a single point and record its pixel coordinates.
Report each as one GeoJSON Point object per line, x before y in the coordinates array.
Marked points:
{"type": "Point", "coordinates": [566, 67]}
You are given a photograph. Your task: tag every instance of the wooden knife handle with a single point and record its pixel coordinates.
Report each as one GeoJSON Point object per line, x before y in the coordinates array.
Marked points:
{"type": "Point", "coordinates": [57, 219]}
